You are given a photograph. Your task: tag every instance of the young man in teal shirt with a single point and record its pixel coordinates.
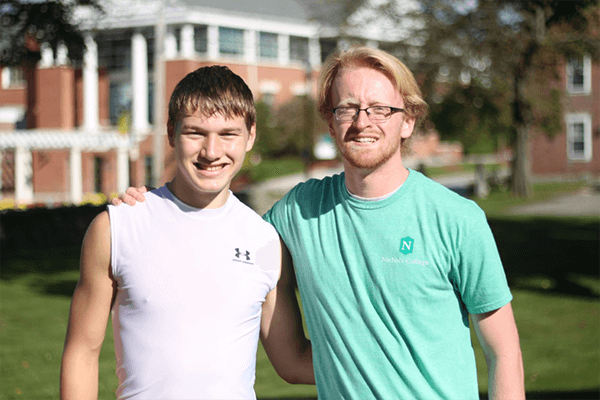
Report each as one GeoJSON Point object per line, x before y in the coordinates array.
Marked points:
{"type": "Point", "coordinates": [389, 263]}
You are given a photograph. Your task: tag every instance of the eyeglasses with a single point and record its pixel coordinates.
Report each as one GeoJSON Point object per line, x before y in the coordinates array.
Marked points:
{"type": "Point", "coordinates": [375, 114]}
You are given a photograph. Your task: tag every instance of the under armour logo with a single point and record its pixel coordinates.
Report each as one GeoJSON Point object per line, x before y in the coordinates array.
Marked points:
{"type": "Point", "coordinates": [238, 253]}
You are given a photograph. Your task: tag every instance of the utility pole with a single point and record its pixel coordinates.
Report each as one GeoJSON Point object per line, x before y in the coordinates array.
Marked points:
{"type": "Point", "coordinates": [159, 98]}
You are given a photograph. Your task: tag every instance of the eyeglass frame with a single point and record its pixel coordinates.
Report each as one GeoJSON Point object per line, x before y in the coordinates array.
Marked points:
{"type": "Point", "coordinates": [393, 110]}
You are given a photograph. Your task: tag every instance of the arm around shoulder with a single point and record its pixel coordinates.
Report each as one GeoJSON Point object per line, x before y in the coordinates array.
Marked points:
{"type": "Point", "coordinates": [281, 331]}
{"type": "Point", "coordinates": [498, 336]}
{"type": "Point", "coordinates": [88, 317]}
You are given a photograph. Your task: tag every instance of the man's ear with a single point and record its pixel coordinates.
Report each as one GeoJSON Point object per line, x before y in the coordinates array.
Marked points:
{"type": "Point", "coordinates": [251, 138]}
{"type": "Point", "coordinates": [408, 125]}
{"type": "Point", "coordinates": [171, 134]}
{"type": "Point", "coordinates": [330, 126]}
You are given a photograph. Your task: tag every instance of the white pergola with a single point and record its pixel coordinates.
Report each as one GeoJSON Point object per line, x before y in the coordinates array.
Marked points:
{"type": "Point", "coordinates": [76, 142]}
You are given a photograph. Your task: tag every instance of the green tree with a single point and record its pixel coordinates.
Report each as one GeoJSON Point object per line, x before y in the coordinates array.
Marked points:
{"type": "Point", "coordinates": [473, 116]}
{"type": "Point", "coordinates": [288, 129]}
{"type": "Point", "coordinates": [268, 141]}
{"type": "Point", "coordinates": [24, 25]}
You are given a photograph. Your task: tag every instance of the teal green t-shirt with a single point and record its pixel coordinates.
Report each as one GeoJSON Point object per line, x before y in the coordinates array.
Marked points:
{"type": "Point", "coordinates": [387, 286]}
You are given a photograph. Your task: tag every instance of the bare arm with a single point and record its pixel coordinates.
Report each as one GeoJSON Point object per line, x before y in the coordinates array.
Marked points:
{"type": "Point", "coordinates": [89, 313]}
{"type": "Point", "coordinates": [498, 336]}
{"type": "Point", "coordinates": [281, 330]}
{"type": "Point", "coordinates": [131, 196]}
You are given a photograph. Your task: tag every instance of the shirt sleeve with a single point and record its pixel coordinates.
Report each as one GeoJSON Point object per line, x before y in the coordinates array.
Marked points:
{"type": "Point", "coordinates": [478, 273]}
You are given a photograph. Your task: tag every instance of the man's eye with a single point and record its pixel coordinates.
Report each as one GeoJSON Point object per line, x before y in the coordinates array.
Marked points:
{"type": "Point", "coordinates": [379, 110]}
{"type": "Point", "coordinates": [193, 134]}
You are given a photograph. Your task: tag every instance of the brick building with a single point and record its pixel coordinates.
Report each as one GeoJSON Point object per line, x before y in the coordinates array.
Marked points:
{"type": "Point", "coordinates": [576, 151]}
{"type": "Point", "coordinates": [78, 128]}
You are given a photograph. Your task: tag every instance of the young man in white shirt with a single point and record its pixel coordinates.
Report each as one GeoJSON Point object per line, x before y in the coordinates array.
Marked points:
{"type": "Point", "coordinates": [192, 277]}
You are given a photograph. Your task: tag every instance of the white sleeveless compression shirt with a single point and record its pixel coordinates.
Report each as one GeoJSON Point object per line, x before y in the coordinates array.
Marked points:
{"type": "Point", "coordinates": [191, 283]}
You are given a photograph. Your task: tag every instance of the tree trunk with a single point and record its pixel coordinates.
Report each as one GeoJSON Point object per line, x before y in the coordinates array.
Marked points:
{"type": "Point", "coordinates": [521, 182]}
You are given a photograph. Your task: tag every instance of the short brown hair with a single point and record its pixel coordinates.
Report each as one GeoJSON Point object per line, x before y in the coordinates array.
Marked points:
{"type": "Point", "coordinates": [400, 76]}
{"type": "Point", "coordinates": [212, 90]}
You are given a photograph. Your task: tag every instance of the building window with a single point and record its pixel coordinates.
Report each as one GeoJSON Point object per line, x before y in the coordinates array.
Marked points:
{"type": "Point", "coordinates": [201, 39]}
{"type": "Point", "coordinates": [298, 49]}
{"type": "Point", "coordinates": [148, 163]}
{"type": "Point", "coordinates": [579, 75]}
{"type": "Point", "coordinates": [268, 45]}
{"type": "Point", "coordinates": [328, 46]}
{"type": "Point", "coordinates": [114, 51]}
{"type": "Point", "coordinates": [579, 137]}
{"type": "Point", "coordinates": [98, 166]}
{"type": "Point", "coordinates": [11, 77]}
{"type": "Point", "coordinates": [120, 95]}
{"type": "Point", "coordinates": [231, 41]}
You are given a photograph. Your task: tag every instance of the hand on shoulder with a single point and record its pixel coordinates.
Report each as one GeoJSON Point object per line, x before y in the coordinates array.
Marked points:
{"type": "Point", "coordinates": [131, 196]}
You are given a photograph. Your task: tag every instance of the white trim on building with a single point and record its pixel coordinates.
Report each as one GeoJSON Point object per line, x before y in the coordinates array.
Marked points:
{"type": "Point", "coordinates": [579, 75]}
{"type": "Point", "coordinates": [579, 136]}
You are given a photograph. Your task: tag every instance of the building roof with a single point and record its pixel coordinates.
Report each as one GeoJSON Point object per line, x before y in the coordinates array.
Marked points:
{"type": "Point", "coordinates": [294, 9]}
{"type": "Point", "coordinates": [137, 13]}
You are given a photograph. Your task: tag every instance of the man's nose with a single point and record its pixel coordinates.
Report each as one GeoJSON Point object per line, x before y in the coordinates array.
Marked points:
{"type": "Point", "coordinates": [362, 119]}
{"type": "Point", "coordinates": [211, 148]}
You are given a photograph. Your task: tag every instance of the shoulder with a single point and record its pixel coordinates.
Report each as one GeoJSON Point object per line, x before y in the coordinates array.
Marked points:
{"type": "Point", "coordinates": [306, 200]}
{"type": "Point", "coordinates": [313, 191]}
{"type": "Point", "coordinates": [246, 216]}
{"type": "Point", "coordinates": [441, 199]}
{"type": "Point", "coordinates": [154, 199]}
{"type": "Point", "coordinates": [96, 243]}
{"type": "Point", "coordinates": [318, 185]}
{"type": "Point", "coordinates": [100, 224]}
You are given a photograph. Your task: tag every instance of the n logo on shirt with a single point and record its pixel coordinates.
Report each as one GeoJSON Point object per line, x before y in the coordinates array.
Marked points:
{"type": "Point", "coordinates": [406, 245]}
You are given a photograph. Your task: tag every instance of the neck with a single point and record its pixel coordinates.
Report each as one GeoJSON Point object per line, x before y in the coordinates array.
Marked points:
{"type": "Point", "coordinates": [195, 199]}
{"type": "Point", "coordinates": [374, 183]}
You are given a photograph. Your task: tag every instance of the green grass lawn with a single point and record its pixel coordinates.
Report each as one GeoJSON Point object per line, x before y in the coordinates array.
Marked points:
{"type": "Point", "coordinates": [551, 264]}
{"type": "Point", "coordinates": [433, 172]}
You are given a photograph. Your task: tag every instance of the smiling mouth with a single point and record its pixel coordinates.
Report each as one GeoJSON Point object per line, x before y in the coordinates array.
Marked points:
{"type": "Point", "coordinates": [364, 140]}
{"type": "Point", "coordinates": [210, 168]}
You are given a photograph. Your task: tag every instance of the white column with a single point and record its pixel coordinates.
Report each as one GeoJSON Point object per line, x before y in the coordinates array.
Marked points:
{"type": "Point", "coordinates": [122, 169]}
{"type": "Point", "coordinates": [187, 42]}
{"type": "Point", "coordinates": [47, 55]}
{"type": "Point", "coordinates": [62, 54]}
{"type": "Point", "coordinates": [314, 52]}
{"type": "Point", "coordinates": [75, 175]}
{"type": "Point", "coordinates": [212, 33]}
{"type": "Point", "coordinates": [139, 82]}
{"type": "Point", "coordinates": [283, 49]}
{"type": "Point", "coordinates": [250, 46]}
{"type": "Point", "coordinates": [170, 44]}
{"type": "Point", "coordinates": [90, 85]}
{"type": "Point", "coordinates": [23, 176]}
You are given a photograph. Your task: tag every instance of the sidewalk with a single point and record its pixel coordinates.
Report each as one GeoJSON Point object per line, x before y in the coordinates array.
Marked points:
{"type": "Point", "coordinates": [585, 202]}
